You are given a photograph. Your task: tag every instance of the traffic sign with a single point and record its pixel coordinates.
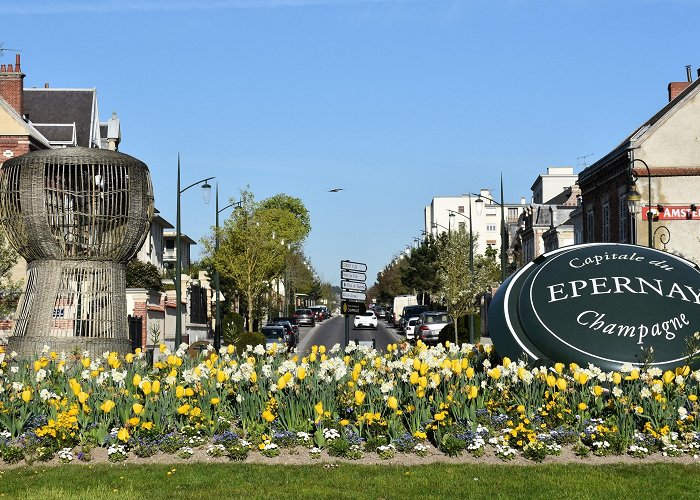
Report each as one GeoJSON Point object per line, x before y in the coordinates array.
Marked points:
{"type": "Point", "coordinates": [345, 295]}
{"type": "Point", "coordinates": [349, 275]}
{"type": "Point", "coordinates": [353, 266]}
{"type": "Point", "coordinates": [353, 307]}
{"type": "Point", "coordinates": [353, 285]}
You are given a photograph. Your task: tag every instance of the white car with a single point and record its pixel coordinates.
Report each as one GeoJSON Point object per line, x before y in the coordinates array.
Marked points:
{"type": "Point", "coordinates": [368, 319]}
{"type": "Point", "coordinates": [409, 331]}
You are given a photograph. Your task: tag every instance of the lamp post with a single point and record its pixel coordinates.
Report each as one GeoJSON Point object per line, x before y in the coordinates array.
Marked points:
{"type": "Point", "coordinates": [206, 194]}
{"type": "Point", "coordinates": [504, 239]}
{"type": "Point", "coordinates": [217, 327]}
{"type": "Point", "coordinates": [471, 263]}
{"type": "Point", "coordinates": [633, 197]}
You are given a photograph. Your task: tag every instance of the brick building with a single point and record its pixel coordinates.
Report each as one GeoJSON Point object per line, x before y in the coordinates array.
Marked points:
{"type": "Point", "coordinates": [664, 157]}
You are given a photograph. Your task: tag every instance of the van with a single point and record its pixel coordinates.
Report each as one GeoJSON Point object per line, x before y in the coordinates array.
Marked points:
{"type": "Point", "coordinates": [401, 301]}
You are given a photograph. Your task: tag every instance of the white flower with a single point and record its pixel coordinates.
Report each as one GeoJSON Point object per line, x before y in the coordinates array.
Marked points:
{"type": "Point", "coordinates": [259, 350]}
{"type": "Point", "coordinates": [682, 413]}
{"type": "Point", "coordinates": [14, 369]}
{"type": "Point", "coordinates": [645, 392]}
{"type": "Point", "coordinates": [40, 375]}
{"type": "Point", "coordinates": [617, 392]}
{"type": "Point", "coordinates": [17, 386]}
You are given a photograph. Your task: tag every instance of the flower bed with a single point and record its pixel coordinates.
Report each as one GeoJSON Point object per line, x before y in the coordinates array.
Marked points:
{"type": "Point", "coordinates": [352, 404]}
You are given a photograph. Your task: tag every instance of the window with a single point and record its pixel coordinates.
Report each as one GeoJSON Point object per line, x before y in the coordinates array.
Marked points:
{"type": "Point", "coordinates": [170, 244]}
{"type": "Point", "coordinates": [589, 226]}
{"type": "Point", "coordinates": [490, 228]}
{"type": "Point", "coordinates": [512, 214]}
{"type": "Point", "coordinates": [461, 226]}
{"type": "Point", "coordinates": [606, 222]}
{"type": "Point", "coordinates": [623, 215]}
{"type": "Point", "coordinates": [460, 209]}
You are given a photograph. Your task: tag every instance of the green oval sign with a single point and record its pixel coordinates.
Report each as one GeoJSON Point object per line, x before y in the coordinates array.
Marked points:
{"type": "Point", "coordinates": [605, 304]}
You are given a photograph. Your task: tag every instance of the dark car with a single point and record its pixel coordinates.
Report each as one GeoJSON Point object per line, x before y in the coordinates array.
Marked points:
{"type": "Point", "coordinates": [291, 320]}
{"type": "Point", "coordinates": [319, 313]}
{"type": "Point", "coordinates": [410, 312]}
{"type": "Point", "coordinates": [305, 317]}
{"type": "Point", "coordinates": [292, 336]}
{"type": "Point", "coordinates": [274, 334]}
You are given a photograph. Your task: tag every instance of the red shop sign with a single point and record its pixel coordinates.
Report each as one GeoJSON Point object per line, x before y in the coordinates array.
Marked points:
{"type": "Point", "coordinates": [672, 212]}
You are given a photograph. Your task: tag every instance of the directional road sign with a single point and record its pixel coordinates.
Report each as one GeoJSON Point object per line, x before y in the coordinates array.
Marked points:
{"type": "Point", "coordinates": [349, 275]}
{"type": "Point", "coordinates": [345, 295]}
{"type": "Point", "coordinates": [353, 286]}
{"type": "Point", "coordinates": [353, 307]}
{"type": "Point", "coordinates": [353, 266]}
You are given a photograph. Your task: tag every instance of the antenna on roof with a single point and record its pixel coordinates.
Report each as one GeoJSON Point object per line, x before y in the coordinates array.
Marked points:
{"type": "Point", "coordinates": [3, 49]}
{"type": "Point", "coordinates": [582, 159]}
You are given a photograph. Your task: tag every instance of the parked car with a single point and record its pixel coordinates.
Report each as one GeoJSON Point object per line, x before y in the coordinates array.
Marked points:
{"type": "Point", "coordinates": [319, 313]}
{"type": "Point", "coordinates": [368, 319]}
{"type": "Point", "coordinates": [291, 320]}
{"type": "Point", "coordinates": [430, 324]}
{"type": "Point", "coordinates": [400, 301]}
{"type": "Point", "coordinates": [274, 334]}
{"type": "Point", "coordinates": [410, 312]}
{"type": "Point", "coordinates": [410, 328]}
{"type": "Point", "coordinates": [292, 335]}
{"type": "Point", "coordinates": [380, 312]}
{"type": "Point", "coordinates": [305, 317]}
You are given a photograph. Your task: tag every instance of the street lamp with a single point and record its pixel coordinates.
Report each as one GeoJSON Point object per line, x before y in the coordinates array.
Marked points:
{"type": "Point", "coordinates": [206, 194]}
{"type": "Point", "coordinates": [471, 263]}
{"type": "Point", "coordinates": [633, 197]}
{"type": "Point", "coordinates": [217, 326]}
{"type": "Point", "coordinates": [504, 239]}
{"type": "Point", "coordinates": [435, 225]}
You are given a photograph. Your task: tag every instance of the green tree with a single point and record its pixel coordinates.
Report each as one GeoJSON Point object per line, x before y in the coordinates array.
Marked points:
{"type": "Point", "coordinates": [255, 244]}
{"type": "Point", "coordinates": [143, 275]}
{"type": "Point", "coordinates": [9, 289]}
{"type": "Point", "coordinates": [461, 288]}
{"type": "Point", "coordinates": [421, 270]}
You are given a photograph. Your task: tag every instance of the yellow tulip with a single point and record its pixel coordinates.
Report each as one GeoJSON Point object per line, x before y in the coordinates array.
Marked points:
{"type": "Point", "coordinates": [582, 406]}
{"type": "Point", "coordinates": [137, 408]}
{"type": "Point", "coordinates": [420, 392]}
{"type": "Point", "coordinates": [413, 378]}
{"type": "Point", "coordinates": [281, 383]}
{"type": "Point", "coordinates": [215, 401]}
{"type": "Point", "coordinates": [472, 392]}
{"type": "Point", "coordinates": [318, 407]}
{"type": "Point", "coordinates": [182, 410]}
{"type": "Point", "coordinates": [669, 376]}
{"type": "Point", "coordinates": [423, 368]}
{"type": "Point", "coordinates": [582, 378]}
{"type": "Point", "coordinates": [312, 357]}
{"type": "Point", "coordinates": [253, 377]}
{"type": "Point", "coordinates": [439, 416]}
{"type": "Point", "coordinates": [155, 386]}
{"type": "Point", "coordinates": [634, 375]}
{"type": "Point", "coordinates": [494, 373]}
{"type": "Point", "coordinates": [465, 363]}
{"type": "Point", "coordinates": [392, 403]}
{"type": "Point", "coordinates": [301, 373]}
{"type": "Point", "coordinates": [435, 377]}
{"type": "Point", "coordinates": [359, 397]}
{"type": "Point", "coordinates": [82, 397]}
{"type": "Point", "coordinates": [322, 349]}
{"type": "Point", "coordinates": [85, 362]}
{"type": "Point", "coordinates": [561, 384]}
{"type": "Point", "coordinates": [616, 378]}
{"type": "Point", "coordinates": [469, 372]}
{"type": "Point", "coordinates": [146, 387]}
{"type": "Point", "coordinates": [344, 422]}
{"type": "Point", "coordinates": [692, 397]}
{"type": "Point", "coordinates": [506, 362]}
{"type": "Point", "coordinates": [416, 364]}
{"type": "Point", "coordinates": [189, 392]}
{"type": "Point", "coordinates": [559, 367]}
{"type": "Point", "coordinates": [551, 380]}
{"type": "Point", "coordinates": [136, 380]}
{"type": "Point", "coordinates": [221, 376]}
{"type": "Point", "coordinates": [314, 349]}
{"type": "Point", "coordinates": [268, 416]}
{"type": "Point", "coordinates": [107, 406]}
{"type": "Point", "coordinates": [75, 386]}
{"type": "Point", "coordinates": [423, 382]}
{"type": "Point", "coordinates": [179, 391]}
{"type": "Point", "coordinates": [123, 435]}
{"type": "Point", "coordinates": [26, 395]}
{"type": "Point", "coordinates": [287, 376]}
{"type": "Point", "coordinates": [683, 370]}
{"type": "Point", "coordinates": [597, 390]}
{"type": "Point", "coordinates": [162, 347]}
{"type": "Point", "coordinates": [134, 421]}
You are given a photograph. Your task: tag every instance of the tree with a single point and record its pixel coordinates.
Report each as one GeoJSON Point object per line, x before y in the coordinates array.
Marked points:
{"type": "Point", "coordinates": [143, 275]}
{"type": "Point", "coordinates": [254, 245]}
{"type": "Point", "coordinates": [461, 287]}
{"type": "Point", "coordinates": [9, 289]}
{"type": "Point", "coordinates": [421, 271]}
{"type": "Point", "coordinates": [389, 284]}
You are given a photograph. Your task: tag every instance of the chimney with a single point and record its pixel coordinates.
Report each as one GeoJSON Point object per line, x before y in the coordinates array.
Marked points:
{"type": "Point", "coordinates": [12, 85]}
{"type": "Point", "coordinates": [675, 88]}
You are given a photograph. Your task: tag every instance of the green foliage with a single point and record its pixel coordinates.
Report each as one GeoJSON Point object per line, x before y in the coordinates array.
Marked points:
{"type": "Point", "coordinates": [421, 271]}
{"type": "Point", "coordinates": [249, 338]}
{"type": "Point", "coordinates": [389, 283]}
{"type": "Point", "coordinates": [143, 275]}
{"type": "Point", "coordinates": [232, 324]}
{"type": "Point", "coordinates": [9, 290]}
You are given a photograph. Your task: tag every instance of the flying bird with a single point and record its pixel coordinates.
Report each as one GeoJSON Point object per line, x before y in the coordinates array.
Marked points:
{"type": "Point", "coordinates": [335, 190]}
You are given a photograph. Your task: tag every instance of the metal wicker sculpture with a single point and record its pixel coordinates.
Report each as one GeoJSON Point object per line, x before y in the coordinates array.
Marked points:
{"type": "Point", "coordinates": [77, 215]}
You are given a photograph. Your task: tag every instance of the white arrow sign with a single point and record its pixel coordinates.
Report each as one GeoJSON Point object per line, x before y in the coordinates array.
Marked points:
{"type": "Point", "coordinates": [353, 266]}
{"type": "Point", "coordinates": [353, 285]}
{"type": "Point", "coordinates": [352, 295]}
{"type": "Point", "coordinates": [349, 275]}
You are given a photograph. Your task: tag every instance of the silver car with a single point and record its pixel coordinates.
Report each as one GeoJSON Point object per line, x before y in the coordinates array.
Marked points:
{"type": "Point", "coordinates": [429, 326]}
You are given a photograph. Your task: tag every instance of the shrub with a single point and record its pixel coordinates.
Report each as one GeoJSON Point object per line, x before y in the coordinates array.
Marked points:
{"type": "Point", "coordinates": [143, 275]}
{"type": "Point", "coordinates": [250, 338]}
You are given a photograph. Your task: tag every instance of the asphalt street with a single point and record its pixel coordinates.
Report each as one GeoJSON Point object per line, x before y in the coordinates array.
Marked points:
{"type": "Point", "coordinates": [332, 331]}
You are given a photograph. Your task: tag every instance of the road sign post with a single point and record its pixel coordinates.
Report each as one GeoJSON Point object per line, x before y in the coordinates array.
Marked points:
{"type": "Point", "coordinates": [353, 287]}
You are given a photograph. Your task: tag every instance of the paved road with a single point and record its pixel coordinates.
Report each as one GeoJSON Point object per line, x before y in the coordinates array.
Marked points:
{"type": "Point", "coordinates": [332, 331]}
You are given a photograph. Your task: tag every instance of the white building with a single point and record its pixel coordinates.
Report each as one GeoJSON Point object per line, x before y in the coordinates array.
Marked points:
{"type": "Point", "coordinates": [486, 226]}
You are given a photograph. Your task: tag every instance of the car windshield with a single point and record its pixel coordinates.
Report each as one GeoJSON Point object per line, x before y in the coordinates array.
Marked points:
{"type": "Point", "coordinates": [273, 333]}
{"type": "Point", "coordinates": [368, 313]}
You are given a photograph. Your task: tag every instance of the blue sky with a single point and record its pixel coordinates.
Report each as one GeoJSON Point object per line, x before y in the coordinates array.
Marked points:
{"type": "Point", "coordinates": [396, 101]}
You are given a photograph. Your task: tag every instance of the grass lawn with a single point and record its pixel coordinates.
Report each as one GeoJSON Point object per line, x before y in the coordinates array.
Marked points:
{"type": "Point", "coordinates": [654, 480]}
